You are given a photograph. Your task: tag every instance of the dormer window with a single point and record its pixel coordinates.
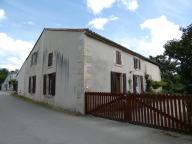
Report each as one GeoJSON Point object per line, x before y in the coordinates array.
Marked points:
{"type": "Point", "coordinates": [118, 57]}
{"type": "Point", "coordinates": [34, 58]}
{"type": "Point", "coordinates": [137, 63]}
{"type": "Point", "coordinates": [50, 59]}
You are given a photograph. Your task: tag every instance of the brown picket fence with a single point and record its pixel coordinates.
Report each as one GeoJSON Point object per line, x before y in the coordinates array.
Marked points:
{"type": "Point", "coordinates": [168, 112]}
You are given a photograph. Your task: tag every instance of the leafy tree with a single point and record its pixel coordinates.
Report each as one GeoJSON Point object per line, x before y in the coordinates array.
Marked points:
{"type": "Point", "coordinates": [14, 84]}
{"type": "Point", "coordinates": [152, 85]}
{"type": "Point", "coordinates": [3, 74]}
{"type": "Point", "coordinates": [171, 80]}
{"type": "Point", "coordinates": [176, 63]}
{"type": "Point", "coordinates": [180, 53]}
{"type": "Point", "coordinates": [167, 67]}
{"type": "Point", "coordinates": [148, 83]}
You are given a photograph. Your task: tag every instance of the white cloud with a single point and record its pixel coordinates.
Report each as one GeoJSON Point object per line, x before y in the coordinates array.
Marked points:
{"type": "Point", "coordinates": [125, 42]}
{"type": "Point", "coordinates": [12, 63]}
{"type": "Point", "coordinates": [2, 14]}
{"type": "Point", "coordinates": [31, 23]}
{"type": "Point", "coordinates": [161, 30]}
{"type": "Point", "coordinates": [131, 5]}
{"type": "Point", "coordinates": [99, 23]}
{"type": "Point", "coordinates": [128, 42]}
{"type": "Point", "coordinates": [13, 51]}
{"type": "Point", "coordinates": [97, 6]}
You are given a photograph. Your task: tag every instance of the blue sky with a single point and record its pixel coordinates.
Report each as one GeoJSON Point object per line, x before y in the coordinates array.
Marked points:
{"type": "Point", "coordinates": [141, 25]}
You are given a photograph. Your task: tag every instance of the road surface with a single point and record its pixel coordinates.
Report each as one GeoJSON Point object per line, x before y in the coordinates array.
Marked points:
{"type": "Point", "coordinates": [25, 123]}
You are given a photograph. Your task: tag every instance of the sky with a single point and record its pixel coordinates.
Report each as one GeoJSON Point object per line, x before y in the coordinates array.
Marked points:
{"type": "Point", "coordinates": [143, 26]}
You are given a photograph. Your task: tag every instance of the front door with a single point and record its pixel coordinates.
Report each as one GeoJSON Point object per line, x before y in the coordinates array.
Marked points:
{"type": "Point", "coordinates": [118, 82]}
{"type": "Point", "coordinates": [137, 84]}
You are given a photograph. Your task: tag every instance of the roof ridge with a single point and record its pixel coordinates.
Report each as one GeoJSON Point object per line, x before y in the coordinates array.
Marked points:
{"type": "Point", "coordinates": [67, 29]}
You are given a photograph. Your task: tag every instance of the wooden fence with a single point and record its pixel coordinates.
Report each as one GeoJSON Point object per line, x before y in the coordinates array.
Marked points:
{"type": "Point", "coordinates": [169, 112]}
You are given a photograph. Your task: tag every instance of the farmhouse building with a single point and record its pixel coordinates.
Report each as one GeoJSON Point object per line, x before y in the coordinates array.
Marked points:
{"type": "Point", "coordinates": [65, 63]}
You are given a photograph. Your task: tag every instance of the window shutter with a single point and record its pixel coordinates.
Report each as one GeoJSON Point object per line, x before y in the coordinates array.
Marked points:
{"type": "Point", "coordinates": [139, 64]}
{"type": "Point", "coordinates": [117, 57]}
{"type": "Point", "coordinates": [34, 84]}
{"type": "Point", "coordinates": [134, 83]}
{"type": "Point", "coordinates": [120, 62]}
{"type": "Point", "coordinates": [35, 57]}
{"type": "Point", "coordinates": [44, 84]}
{"type": "Point", "coordinates": [49, 88]}
{"type": "Point", "coordinates": [53, 84]}
{"type": "Point", "coordinates": [135, 62]}
{"type": "Point", "coordinates": [50, 59]}
{"type": "Point", "coordinates": [29, 88]}
{"type": "Point", "coordinates": [112, 82]}
{"type": "Point", "coordinates": [142, 90]}
{"type": "Point", "coordinates": [124, 83]}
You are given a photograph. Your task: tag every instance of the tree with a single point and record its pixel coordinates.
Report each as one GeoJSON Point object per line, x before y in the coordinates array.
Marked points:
{"type": "Point", "coordinates": [180, 53]}
{"type": "Point", "coordinates": [3, 74]}
{"type": "Point", "coordinates": [167, 67]}
{"type": "Point", "coordinates": [171, 80]}
{"type": "Point", "coordinates": [14, 84]}
{"type": "Point", "coordinates": [176, 63]}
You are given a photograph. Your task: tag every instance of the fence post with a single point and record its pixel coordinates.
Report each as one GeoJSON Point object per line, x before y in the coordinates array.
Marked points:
{"type": "Point", "coordinates": [86, 103]}
{"type": "Point", "coordinates": [127, 108]}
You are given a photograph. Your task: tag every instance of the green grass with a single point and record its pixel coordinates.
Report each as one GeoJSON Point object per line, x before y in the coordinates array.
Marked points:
{"type": "Point", "coordinates": [45, 105]}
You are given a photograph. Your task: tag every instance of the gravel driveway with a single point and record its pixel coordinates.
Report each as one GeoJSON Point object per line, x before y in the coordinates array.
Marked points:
{"type": "Point", "coordinates": [25, 123]}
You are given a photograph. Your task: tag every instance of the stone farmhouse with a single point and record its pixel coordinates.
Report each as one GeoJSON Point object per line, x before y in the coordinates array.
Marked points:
{"type": "Point", "coordinates": [66, 63]}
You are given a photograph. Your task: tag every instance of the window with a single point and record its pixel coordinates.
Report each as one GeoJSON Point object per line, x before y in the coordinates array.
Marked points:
{"type": "Point", "coordinates": [34, 58]}
{"type": "Point", "coordinates": [50, 59]}
{"type": "Point", "coordinates": [118, 57]}
{"type": "Point", "coordinates": [49, 82]}
{"type": "Point", "coordinates": [52, 81]}
{"type": "Point", "coordinates": [44, 84]}
{"type": "Point", "coordinates": [137, 63]}
{"type": "Point", "coordinates": [29, 86]}
{"type": "Point", "coordinates": [32, 84]}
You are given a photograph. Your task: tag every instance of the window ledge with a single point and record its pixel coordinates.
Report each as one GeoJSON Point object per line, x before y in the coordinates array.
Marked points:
{"type": "Point", "coordinates": [50, 67]}
{"type": "Point", "coordinates": [49, 96]}
{"type": "Point", "coordinates": [137, 69]}
{"type": "Point", "coordinates": [119, 65]}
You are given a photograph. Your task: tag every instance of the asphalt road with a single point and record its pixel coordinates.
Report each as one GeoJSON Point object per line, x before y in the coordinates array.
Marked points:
{"type": "Point", "coordinates": [25, 123]}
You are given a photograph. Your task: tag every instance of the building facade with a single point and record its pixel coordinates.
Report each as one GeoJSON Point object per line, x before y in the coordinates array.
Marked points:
{"type": "Point", "coordinates": [65, 63]}
{"type": "Point", "coordinates": [7, 85]}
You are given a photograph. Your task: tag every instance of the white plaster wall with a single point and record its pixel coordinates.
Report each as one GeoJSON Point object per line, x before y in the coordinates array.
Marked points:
{"type": "Point", "coordinates": [153, 71]}
{"type": "Point", "coordinates": [34, 70]}
{"type": "Point", "coordinates": [68, 65]}
{"type": "Point", "coordinates": [100, 60]}
{"type": "Point", "coordinates": [21, 80]}
{"type": "Point", "coordinates": [67, 48]}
